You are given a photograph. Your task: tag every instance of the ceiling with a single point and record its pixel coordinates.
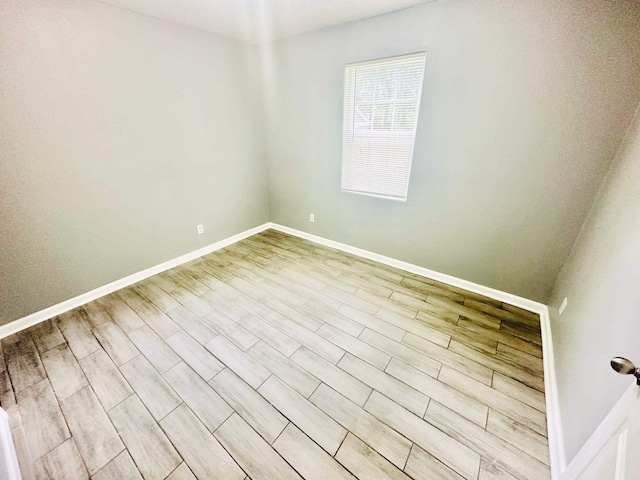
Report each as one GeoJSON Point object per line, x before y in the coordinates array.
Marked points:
{"type": "Point", "coordinates": [259, 21]}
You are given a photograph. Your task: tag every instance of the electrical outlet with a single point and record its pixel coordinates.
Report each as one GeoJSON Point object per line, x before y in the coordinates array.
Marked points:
{"type": "Point", "coordinates": [563, 305]}
{"type": "Point", "coordinates": [312, 217]}
{"type": "Point", "coordinates": [200, 229]}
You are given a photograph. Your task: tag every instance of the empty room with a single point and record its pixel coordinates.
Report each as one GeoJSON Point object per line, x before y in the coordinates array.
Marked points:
{"type": "Point", "coordinates": [319, 239]}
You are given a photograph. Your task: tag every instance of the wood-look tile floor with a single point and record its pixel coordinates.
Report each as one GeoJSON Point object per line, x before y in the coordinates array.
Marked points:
{"type": "Point", "coordinates": [277, 358]}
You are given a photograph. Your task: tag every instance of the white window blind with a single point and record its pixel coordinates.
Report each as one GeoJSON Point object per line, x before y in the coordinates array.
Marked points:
{"type": "Point", "coordinates": [381, 105]}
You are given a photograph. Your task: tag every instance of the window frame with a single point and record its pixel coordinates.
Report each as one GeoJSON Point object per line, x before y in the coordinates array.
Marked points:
{"type": "Point", "coordinates": [349, 133]}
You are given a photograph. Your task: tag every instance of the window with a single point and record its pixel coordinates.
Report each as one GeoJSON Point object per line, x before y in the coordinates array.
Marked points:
{"type": "Point", "coordinates": [381, 105]}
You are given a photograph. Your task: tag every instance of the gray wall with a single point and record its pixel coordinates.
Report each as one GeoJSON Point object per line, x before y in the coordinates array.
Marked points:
{"type": "Point", "coordinates": [118, 134]}
{"type": "Point", "coordinates": [602, 319]}
{"type": "Point", "coordinates": [523, 108]}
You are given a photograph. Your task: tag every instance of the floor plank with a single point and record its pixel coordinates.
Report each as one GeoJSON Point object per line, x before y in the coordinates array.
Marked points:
{"type": "Point", "coordinates": [480, 340]}
{"type": "Point", "coordinates": [150, 449]}
{"type": "Point", "coordinates": [46, 335]}
{"type": "Point", "coordinates": [310, 323]}
{"type": "Point", "coordinates": [518, 435]}
{"type": "Point", "coordinates": [312, 340]}
{"type": "Point", "coordinates": [23, 361]}
{"type": "Point", "coordinates": [93, 432]}
{"type": "Point", "coordinates": [251, 406]}
{"type": "Point", "coordinates": [532, 361]}
{"type": "Point", "coordinates": [253, 454]}
{"type": "Point", "coordinates": [479, 317]}
{"type": "Point", "coordinates": [487, 444]}
{"type": "Point", "coordinates": [44, 426]}
{"type": "Point", "coordinates": [269, 335]}
{"type": "Point", "coordinates": [385, 303]}
{"type": "Point", "coordinates": [233, 331]}
{"type": "Point", "coordinates": [466, 406]}
{"type": "Point", "coordinates": [64, 372]}
{"type": "Point", "coordinates": [448, 357]}
{"type": "Point", "coordinates": [63, 462]}
{"type": "Point", "coordinates": [519, 391]}
{"type": "Point", "coordinates": [116, 343]}
{"type": "Point", "coordinates": [410, 325]}
{"type": "Point", "coordinates": [511, 407]}
{"type": "Point", "coordinates": [325, 315]}
{"type": "Point", "coordinates": [78, 334]}
{"type": "Point", "coordinates": [400, 392]}
{"type": "Point", "coordinates": [23, 452]}
{"type": "Point", "coordinates": [106, 380]}
{"type": "Point", "coordinates": [195, 355]}
{"type": "Point", "coordinates": [154, 348]}
{"type": "Point", "coordinates": [349, 386]}
{"type": "Point", "coordinates": [360, 349]}
{"type": "Point", "coordinates": [398, 350]}
{"type": "Point", "coordinates": [379, 436]}
{"type": "Point", "coordinates": [159, 297]}
{"type": "Point", "coordinates": [121, 468]}
{"type": "Point", "coordinates": [374, 323]}
{"type": "Point", "coordinates": [424, 466]}
{"type": "Point", "coordinates": [364, 462]}
{"type": "Point", "coordinates": [201, 451]}
{"type": "Point", "coordinates": [491, 471]}
{"type": "Point", "coordinates": [304, 361]}
{"type": "Point", "coordinates": [119, 311]}
{"type": "Point", "coordinates": [448, 450]}
{"type": "Point", "coordinates": [182, 473]}
{"type": "Point", "coordinates": [499, 364]}
{"type": "Point", "coordinates": [157, 320]}
{"type": "Point", "coordinates": [503, 337]}
{"type": "Point", "coordinates": [311, 420]}
{"type": "Point", "coordinates": [242, 364]}
{"type": "Point", "coordinates": [132, 298]}
{"type": "Point", "coordinates": [284, 368]}
{"type": "Point", "coordinates": [210, 408]}
{"type": "Point", "coordinates": [151, 388]}
{"type": "Point", "coordinates": [307, 457]}
{"type": "Point", "coordinates": [199, 330]}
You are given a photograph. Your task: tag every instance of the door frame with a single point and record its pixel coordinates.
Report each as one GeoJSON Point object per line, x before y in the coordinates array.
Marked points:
{"type": "Point", "coordinates": [614, 426]}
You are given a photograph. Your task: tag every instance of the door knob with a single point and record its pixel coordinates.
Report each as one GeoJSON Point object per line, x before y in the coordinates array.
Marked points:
{"type": "Point", "coordinates": [625, 367]}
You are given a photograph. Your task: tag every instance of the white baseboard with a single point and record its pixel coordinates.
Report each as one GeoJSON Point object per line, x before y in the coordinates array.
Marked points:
{"type": "Point", "coordinates": [556, 444]}
{"type": "Point", "coordinates": [555, 434]}
{"type": "Point", "coordinates": [554, 425]}
{"type": "Point", "coordinates": [54, 310]}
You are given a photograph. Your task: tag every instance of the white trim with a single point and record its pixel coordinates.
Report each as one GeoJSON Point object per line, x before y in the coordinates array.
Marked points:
{"type": "Point", "coordinates": [621, 454]}
{"type": "Point", "coordinates": [554, 425]}
{"type": "Point", "coordinates": [50, 312]}
{"type": "Point", "coordinates": [614, 424]}
{"type": "Point", "coordinates": [555, 434]}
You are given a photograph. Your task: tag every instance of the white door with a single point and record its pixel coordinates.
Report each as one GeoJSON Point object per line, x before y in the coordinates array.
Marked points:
{"type": "Point", "coordinates": [613, 451]}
